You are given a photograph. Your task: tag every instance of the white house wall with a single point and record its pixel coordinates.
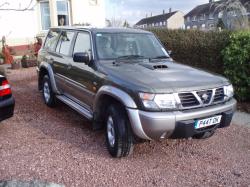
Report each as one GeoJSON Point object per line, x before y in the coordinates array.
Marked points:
{"type": "Point", "coordinates": [176, 21]}
{"type": "Point", "coordinates": [19, 27]}
{"type": "Point", "coordinates": [83, 12]}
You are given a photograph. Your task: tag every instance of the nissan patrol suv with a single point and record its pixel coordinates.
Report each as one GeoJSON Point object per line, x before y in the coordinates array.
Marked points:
{"type": "Point", "coordinates": [123, 80]}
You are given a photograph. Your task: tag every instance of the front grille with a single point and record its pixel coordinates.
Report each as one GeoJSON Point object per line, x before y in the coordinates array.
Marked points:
{"type": "Point", "coordinates": [188, 99]}
{"type": "Point", "coordinates": [205, 96]}
{"type": "Point", "coordinates": [219, 95]}
{"type": "Point", "coordinates": [201, 98]}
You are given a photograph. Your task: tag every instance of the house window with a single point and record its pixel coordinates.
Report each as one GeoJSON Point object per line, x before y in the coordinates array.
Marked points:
{"type": "Point", "coordinates": [194, 18]}
{"type": "Point", "coordinates": [211, 16]}
{"type": "Point", "coordinates": [188, 18]}
{"type": "Point", "coordinates": [202, 17]}
{"type": "Point", "coordinates": [45, 15]}
{"type": "Point", "coordinates": [188, 27]}
{"type": "Point", "coordinates": [203, 26]}
{"type": "Point", "coordinates": [62, 12]}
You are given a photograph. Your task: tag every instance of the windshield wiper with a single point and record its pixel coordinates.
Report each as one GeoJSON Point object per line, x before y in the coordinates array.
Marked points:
{"type": "Point", "coordinates": [130, 57]}
{"type": "Point", "coordinates": [160, 57]}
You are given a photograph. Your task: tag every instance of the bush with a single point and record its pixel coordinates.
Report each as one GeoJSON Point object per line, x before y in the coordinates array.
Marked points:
{"type": "Point", "coordinates": [196, 48]}
{"type": "Point", "coordinates": [236, 58]}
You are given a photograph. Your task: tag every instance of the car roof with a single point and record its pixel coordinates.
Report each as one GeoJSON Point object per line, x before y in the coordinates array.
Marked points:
{"type": "Point", "coordinates": [103, 29]}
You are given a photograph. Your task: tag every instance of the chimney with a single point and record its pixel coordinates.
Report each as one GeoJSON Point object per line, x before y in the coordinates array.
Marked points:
{"type": "Point", "coordinates": [151, 14]}
{"type": "Point", "coordinates": [170, 10]}
{"type": "Point", "coordinates": [163, 12]}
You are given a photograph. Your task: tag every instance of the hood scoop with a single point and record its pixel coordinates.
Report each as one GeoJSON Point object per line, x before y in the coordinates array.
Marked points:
{"type": "Point", "coordinates": [155, 66]}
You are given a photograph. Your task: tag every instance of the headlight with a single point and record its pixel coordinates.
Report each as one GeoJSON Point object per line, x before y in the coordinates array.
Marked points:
{"type": "Point", "coordinates": [158, 101]}
{"type": "Point", "coordinates": [228, 91]}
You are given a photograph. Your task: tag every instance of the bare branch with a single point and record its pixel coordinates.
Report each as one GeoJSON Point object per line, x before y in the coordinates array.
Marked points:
{"type": "Point", "coordinates": [14, 9]}
{"type": "Point", "coordinates": [5, 3]}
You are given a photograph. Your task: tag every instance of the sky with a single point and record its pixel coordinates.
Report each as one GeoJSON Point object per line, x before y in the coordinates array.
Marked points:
{"type": "Point", "coordinates": [134, 10]}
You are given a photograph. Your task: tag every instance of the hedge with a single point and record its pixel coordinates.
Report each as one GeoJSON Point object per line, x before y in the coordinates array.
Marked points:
{"type": "Point", "coordinates": [236, 57]}
{"type": "Point", "coordinates": [226, 53]}
{"type": "Point", "coordinates": [196, 48]}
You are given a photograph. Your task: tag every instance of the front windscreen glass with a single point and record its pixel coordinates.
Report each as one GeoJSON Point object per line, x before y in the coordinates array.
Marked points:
{"type": "Point", "coordinates": [112, 46]}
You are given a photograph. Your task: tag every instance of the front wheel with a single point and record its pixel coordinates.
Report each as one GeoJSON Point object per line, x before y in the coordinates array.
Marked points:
{"type": "Point", "coordinates": [119, 137]}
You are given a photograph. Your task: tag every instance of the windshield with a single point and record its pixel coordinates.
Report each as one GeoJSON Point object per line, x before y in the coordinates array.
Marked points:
{"type": "Point", "coordinates": [118, 45]}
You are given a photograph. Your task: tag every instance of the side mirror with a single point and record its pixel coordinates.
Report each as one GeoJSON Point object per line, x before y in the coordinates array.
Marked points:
{"type": "Point", "coordinates": [81, 58]}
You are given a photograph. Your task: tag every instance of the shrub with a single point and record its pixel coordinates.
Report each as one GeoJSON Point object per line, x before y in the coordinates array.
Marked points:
{"type": "Point", "coordinates": [196, 48]}
{"type": "Point", "coordinates": [236, 58]}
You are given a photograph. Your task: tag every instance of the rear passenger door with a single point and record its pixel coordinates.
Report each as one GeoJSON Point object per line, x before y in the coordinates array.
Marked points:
{"type": "Point", "coordinates": [62, 61]}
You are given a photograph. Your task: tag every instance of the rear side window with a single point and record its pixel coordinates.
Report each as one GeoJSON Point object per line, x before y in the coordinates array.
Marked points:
{"type": "Point", "coordinates": [64, 43]}
{"type": "Point", "coordinates": [82, 44]}
{"type": "Point", "coordinates": [51, 40]}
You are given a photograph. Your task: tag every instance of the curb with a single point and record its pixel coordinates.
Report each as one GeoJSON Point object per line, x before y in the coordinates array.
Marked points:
{"type": "Point", "coordinates": [241, 118]}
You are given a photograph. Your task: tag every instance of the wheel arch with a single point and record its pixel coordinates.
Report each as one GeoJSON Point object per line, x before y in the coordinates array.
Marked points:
{"type": "Point", "coordinates": [107, 95]}
{"type": "Point", "coordinates": [46, 69]}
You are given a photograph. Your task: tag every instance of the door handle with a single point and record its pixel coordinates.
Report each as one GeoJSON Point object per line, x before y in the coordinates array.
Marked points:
{"type": "Point", "coordinates": [69, 66]}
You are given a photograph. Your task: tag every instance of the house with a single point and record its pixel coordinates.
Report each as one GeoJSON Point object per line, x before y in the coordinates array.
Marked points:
{"type": "Point", "coordinates": [22, 20]}
{"type": "Point", "coordinates": [171, 20]}
{"type": "Point", "coordinates": [207, 16]}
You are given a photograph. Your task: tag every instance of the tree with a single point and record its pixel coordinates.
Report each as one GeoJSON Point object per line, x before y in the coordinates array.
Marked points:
{"type": "Point", "coordinates": [114, 22]}
{"type": "Point", "coordinates": [125, 24]}
{"type": "Point", "coordinates": [232, 13]}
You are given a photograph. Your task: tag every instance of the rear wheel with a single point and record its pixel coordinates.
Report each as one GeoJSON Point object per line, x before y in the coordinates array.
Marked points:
{"type": "Point", "coordinates": [48, 95]}
{"type": "Point", "coordinates": [119, 137]}
{"type": "Point", "coordinates": [204, 135]}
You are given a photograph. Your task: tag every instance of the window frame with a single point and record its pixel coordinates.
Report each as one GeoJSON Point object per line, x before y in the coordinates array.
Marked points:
{"type": "Point", "coordinates": [90, 40]}
{"type": "Point", "coordinates": [93, 53]}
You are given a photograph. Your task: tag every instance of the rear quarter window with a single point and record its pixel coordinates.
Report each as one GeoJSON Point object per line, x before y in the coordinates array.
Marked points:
{"type": "Point", "coordinates": [51, 40]}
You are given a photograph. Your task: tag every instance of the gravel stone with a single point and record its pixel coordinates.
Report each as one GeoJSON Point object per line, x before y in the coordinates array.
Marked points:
{"type": "Point", "coordinates": [58, 146]}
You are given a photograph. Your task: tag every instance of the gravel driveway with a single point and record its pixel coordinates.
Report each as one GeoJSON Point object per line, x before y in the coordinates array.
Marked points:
{"type": "Point", "coordinates": [57, 145]}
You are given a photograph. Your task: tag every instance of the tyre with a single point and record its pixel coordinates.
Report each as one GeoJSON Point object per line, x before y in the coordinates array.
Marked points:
{"type": "Point", "coordinates": [204, 135]}
{"type": "Point", "coordinates": [119, 137]}
{"type": "Point", "coordinates": [48, 95]}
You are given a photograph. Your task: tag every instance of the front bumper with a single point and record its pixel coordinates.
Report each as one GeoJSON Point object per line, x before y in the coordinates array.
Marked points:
{"type": "Point", "coordinates": [177, 124]}
{"type": "Point", "coordinates": [7, 108]}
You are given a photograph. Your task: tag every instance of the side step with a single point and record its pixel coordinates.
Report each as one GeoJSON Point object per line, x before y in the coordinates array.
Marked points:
{"type": "Point", "coordinates": [81, 110]}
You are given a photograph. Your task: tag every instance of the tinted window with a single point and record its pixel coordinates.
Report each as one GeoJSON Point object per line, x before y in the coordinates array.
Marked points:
{"type": "Point", "coordinates": [82, 44]}
{"type": "Point", "coordinates": [65, 42]}
{"type": "Point", "coordinates": [51, 40]}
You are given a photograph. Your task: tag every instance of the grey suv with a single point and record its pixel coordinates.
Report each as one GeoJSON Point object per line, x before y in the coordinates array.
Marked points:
{"type": "Point", "coordinates": [124, 80]}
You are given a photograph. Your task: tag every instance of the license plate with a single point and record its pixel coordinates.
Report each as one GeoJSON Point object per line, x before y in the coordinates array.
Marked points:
{"type": "Point", "coordinates": [207, 122]}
